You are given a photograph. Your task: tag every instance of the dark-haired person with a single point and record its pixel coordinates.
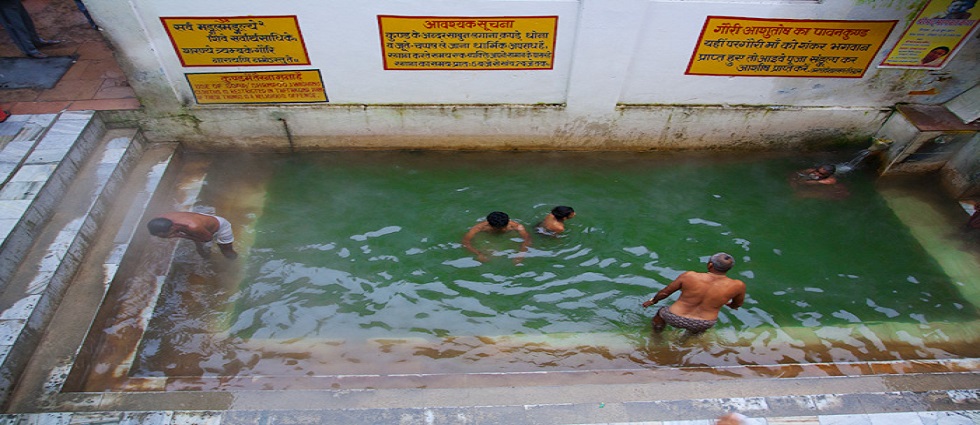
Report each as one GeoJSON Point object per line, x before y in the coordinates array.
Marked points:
{"type": "Point", "coordinates": [496, 223]}
{"type": "Point", "coordinates": [554, 222]}
{"type": "Point", "coordinates": [199, 228]}
{"type": "Point", "coordinates": [935, 56]}
{"type": "Point", "coordinates": [702, 297]}
{"type": "Point", "coordinates": [823, 174]}
{"type": "Point", "coordinates": [957, 9]}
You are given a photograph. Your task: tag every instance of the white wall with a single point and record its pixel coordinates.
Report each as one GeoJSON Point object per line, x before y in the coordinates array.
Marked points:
{"type": "Point", "coordinates": [618, 80]}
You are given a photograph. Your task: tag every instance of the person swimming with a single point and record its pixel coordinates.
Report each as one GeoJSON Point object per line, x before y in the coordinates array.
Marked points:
{"type": "Point", "coordinates": [553, 224]}
{"type": "Point", "coordinates": [497, 222]}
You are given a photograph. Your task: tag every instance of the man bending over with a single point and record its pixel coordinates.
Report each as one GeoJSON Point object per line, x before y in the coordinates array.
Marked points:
{"type": "Point", "coordinates": [199, 228]}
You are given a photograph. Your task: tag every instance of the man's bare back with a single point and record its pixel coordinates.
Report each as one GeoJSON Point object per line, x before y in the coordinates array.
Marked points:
{"type": "Point", "coordinates": [199, 228]}
{"type": "Point", "coordinates": [702, 296]}
{"type": "Point", "coordinates": [193, 226]}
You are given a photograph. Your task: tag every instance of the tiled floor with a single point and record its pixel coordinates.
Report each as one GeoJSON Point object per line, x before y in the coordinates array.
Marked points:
{"type": "Point", "coordinates": [94, 81]}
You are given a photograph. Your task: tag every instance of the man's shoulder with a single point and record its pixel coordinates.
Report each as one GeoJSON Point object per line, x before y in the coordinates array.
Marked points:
{"type": "Point", "coordinates": [737, 283]}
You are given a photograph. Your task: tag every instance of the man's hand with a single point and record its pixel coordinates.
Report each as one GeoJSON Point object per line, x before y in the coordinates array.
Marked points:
{"type": "Point", "coordinates": [648, 303]}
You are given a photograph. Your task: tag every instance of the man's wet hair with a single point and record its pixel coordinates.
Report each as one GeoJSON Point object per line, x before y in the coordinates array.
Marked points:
{"type": "Point", "coordinates": [829, 167]}
{"type": "Point", "coordinates": [722, 262]}
{"type": "Point", "coordinates": [562, 212]}
{"type": "Point", "coordinates": [159, 226]}
{"type": "Point", "coordinates": [498, 220]}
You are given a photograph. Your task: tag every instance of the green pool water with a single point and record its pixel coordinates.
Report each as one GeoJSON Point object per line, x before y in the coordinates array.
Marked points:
{"type": "Point", "coordinates": [354, 265]}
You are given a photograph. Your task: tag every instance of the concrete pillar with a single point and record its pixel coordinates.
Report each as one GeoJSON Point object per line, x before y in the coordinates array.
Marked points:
{"type": "Point", "coordinates": [600, 68]}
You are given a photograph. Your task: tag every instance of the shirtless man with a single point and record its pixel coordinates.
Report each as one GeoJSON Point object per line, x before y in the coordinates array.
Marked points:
{"type": "Point", "coordinates": [498, 223]}
{"type": "Point", "coordinates": [702, 296]}
{"type": "Point", "coordinates": [199, 228]}
{"type": "Point", "coordinates": [554, 222]}
{"type": "Point", "coordinates": [823, 174]}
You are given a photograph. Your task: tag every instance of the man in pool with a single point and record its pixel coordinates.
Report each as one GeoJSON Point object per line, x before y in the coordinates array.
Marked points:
{"type": "Point", "coordinates": [823, 174]}
{"type": "Point", "coordinates": [702, 296]}
{"type": "Point", "coordinates": [554, 223]}
{"type": "Point", "coordinates": [497, 223]}
{"type": "Point", "coordinates": [199, 228]}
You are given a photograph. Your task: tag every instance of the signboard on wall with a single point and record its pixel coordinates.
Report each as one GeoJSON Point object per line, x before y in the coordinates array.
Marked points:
{"type": "Point", "coordinates": [468, 43]}
{"type": "Point", "coordinates": [258, 87]}
{"type": "Point", "coordinates": [935, 33]}
{"type": "Point", "coordinates": [754, 47]}
{"type": "Point", "coordinates": [237, 40]}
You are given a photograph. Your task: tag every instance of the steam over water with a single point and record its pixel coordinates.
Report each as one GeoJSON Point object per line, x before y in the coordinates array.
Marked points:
{"type": "Point", "coordinates": [355, 266]}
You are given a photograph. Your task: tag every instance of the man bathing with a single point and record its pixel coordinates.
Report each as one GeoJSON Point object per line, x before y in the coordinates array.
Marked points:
{"type": "Point", "coordinates": [554, 222]}
{"type": "Point", "coordinates": [823, 174]}
{"type": "Point", "coordinates": [702, 296]}
{"type": "Point", "coordinates": [199, 228]}
{"type": "Point", "coordinates": [499, 223]}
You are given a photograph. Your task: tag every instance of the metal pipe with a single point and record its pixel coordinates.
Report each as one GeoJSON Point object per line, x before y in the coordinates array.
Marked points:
{"type": "Point", "coordinates": [289, 135]}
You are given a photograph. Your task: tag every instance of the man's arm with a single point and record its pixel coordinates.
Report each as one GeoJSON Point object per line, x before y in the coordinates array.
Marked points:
{"type": "Point", "coordinates": [737, 300]}
{"type": "Point", "coordinates": [468, 238]}
{"type": "Point", "coordinates": [664, 293]}
{"type": "Point", "coordinates": [527, 237]}
{"type": "Point", "coordinates": [828, 180]}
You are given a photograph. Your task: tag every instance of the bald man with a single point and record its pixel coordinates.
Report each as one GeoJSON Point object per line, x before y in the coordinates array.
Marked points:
{"type": "Point", "coordinates": [702, 296]}
{"type": "Point", "coordinates": [199, 228]}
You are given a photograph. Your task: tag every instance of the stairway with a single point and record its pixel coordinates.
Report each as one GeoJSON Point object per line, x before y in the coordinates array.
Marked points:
{"type": "Point", "coordinates": [62, 174]}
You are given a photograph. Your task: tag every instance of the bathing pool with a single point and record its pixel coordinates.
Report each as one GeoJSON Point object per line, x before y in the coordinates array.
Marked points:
{"type": "Point", "coordinates": [351, 265]}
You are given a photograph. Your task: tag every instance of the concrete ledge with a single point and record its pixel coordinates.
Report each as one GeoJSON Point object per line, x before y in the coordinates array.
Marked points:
{"type": "Point", "coordinates": [906, 408]}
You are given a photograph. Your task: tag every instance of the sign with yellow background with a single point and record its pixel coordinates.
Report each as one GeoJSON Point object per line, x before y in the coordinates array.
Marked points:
{"type": "Point", "coordinates": [237, 41]}
{"type": "Point", "coordinates": [786, 47]}
{"type": "Point", "coordinates": [468, 43]}
{"type": "Point", "coordinates": [258, 87]}
{"type": "Point", "coordinates": [935, 33]}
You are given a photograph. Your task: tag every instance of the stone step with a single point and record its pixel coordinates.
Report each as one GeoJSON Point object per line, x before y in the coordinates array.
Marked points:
{"type": "Point", "coordinates": [36, 170]}
{"type": "Point", "coordinates": [64, 188]}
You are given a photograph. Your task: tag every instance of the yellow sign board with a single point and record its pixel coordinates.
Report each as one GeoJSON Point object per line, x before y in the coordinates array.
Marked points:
{"type": "Point", "coordinates": [258, 87]}
{"type": "Point", "coordinates": [935, 33]}
{"type": "Point", "coordinates": [237, 41]}
{"type": "Point", "coordinates": [468, 43]}
{"type": "Point", "coordinates": [786, 47]}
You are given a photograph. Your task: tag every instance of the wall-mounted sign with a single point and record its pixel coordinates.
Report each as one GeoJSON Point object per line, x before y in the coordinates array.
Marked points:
{"type": "Point", "coordinates": [753, 47]}
{"type": "Point", "coordinates": [935, 33]}
{"type": "Point", "coordinates": [468, 43]}
{"type": "Point", "coordinates": [237, 40]}
{"type": "Point", "coordinates": [258, 87]}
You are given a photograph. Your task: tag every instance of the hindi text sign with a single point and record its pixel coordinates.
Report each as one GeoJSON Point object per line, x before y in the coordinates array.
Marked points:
{"type": "Point", "coordinates": [258, 87]}
{"type": "Point", "coordinates": [237, 41]}
{"type": "Point", "coordinates": [755, 47]}
{"type": "Point", "coordinates": [468, 43]}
